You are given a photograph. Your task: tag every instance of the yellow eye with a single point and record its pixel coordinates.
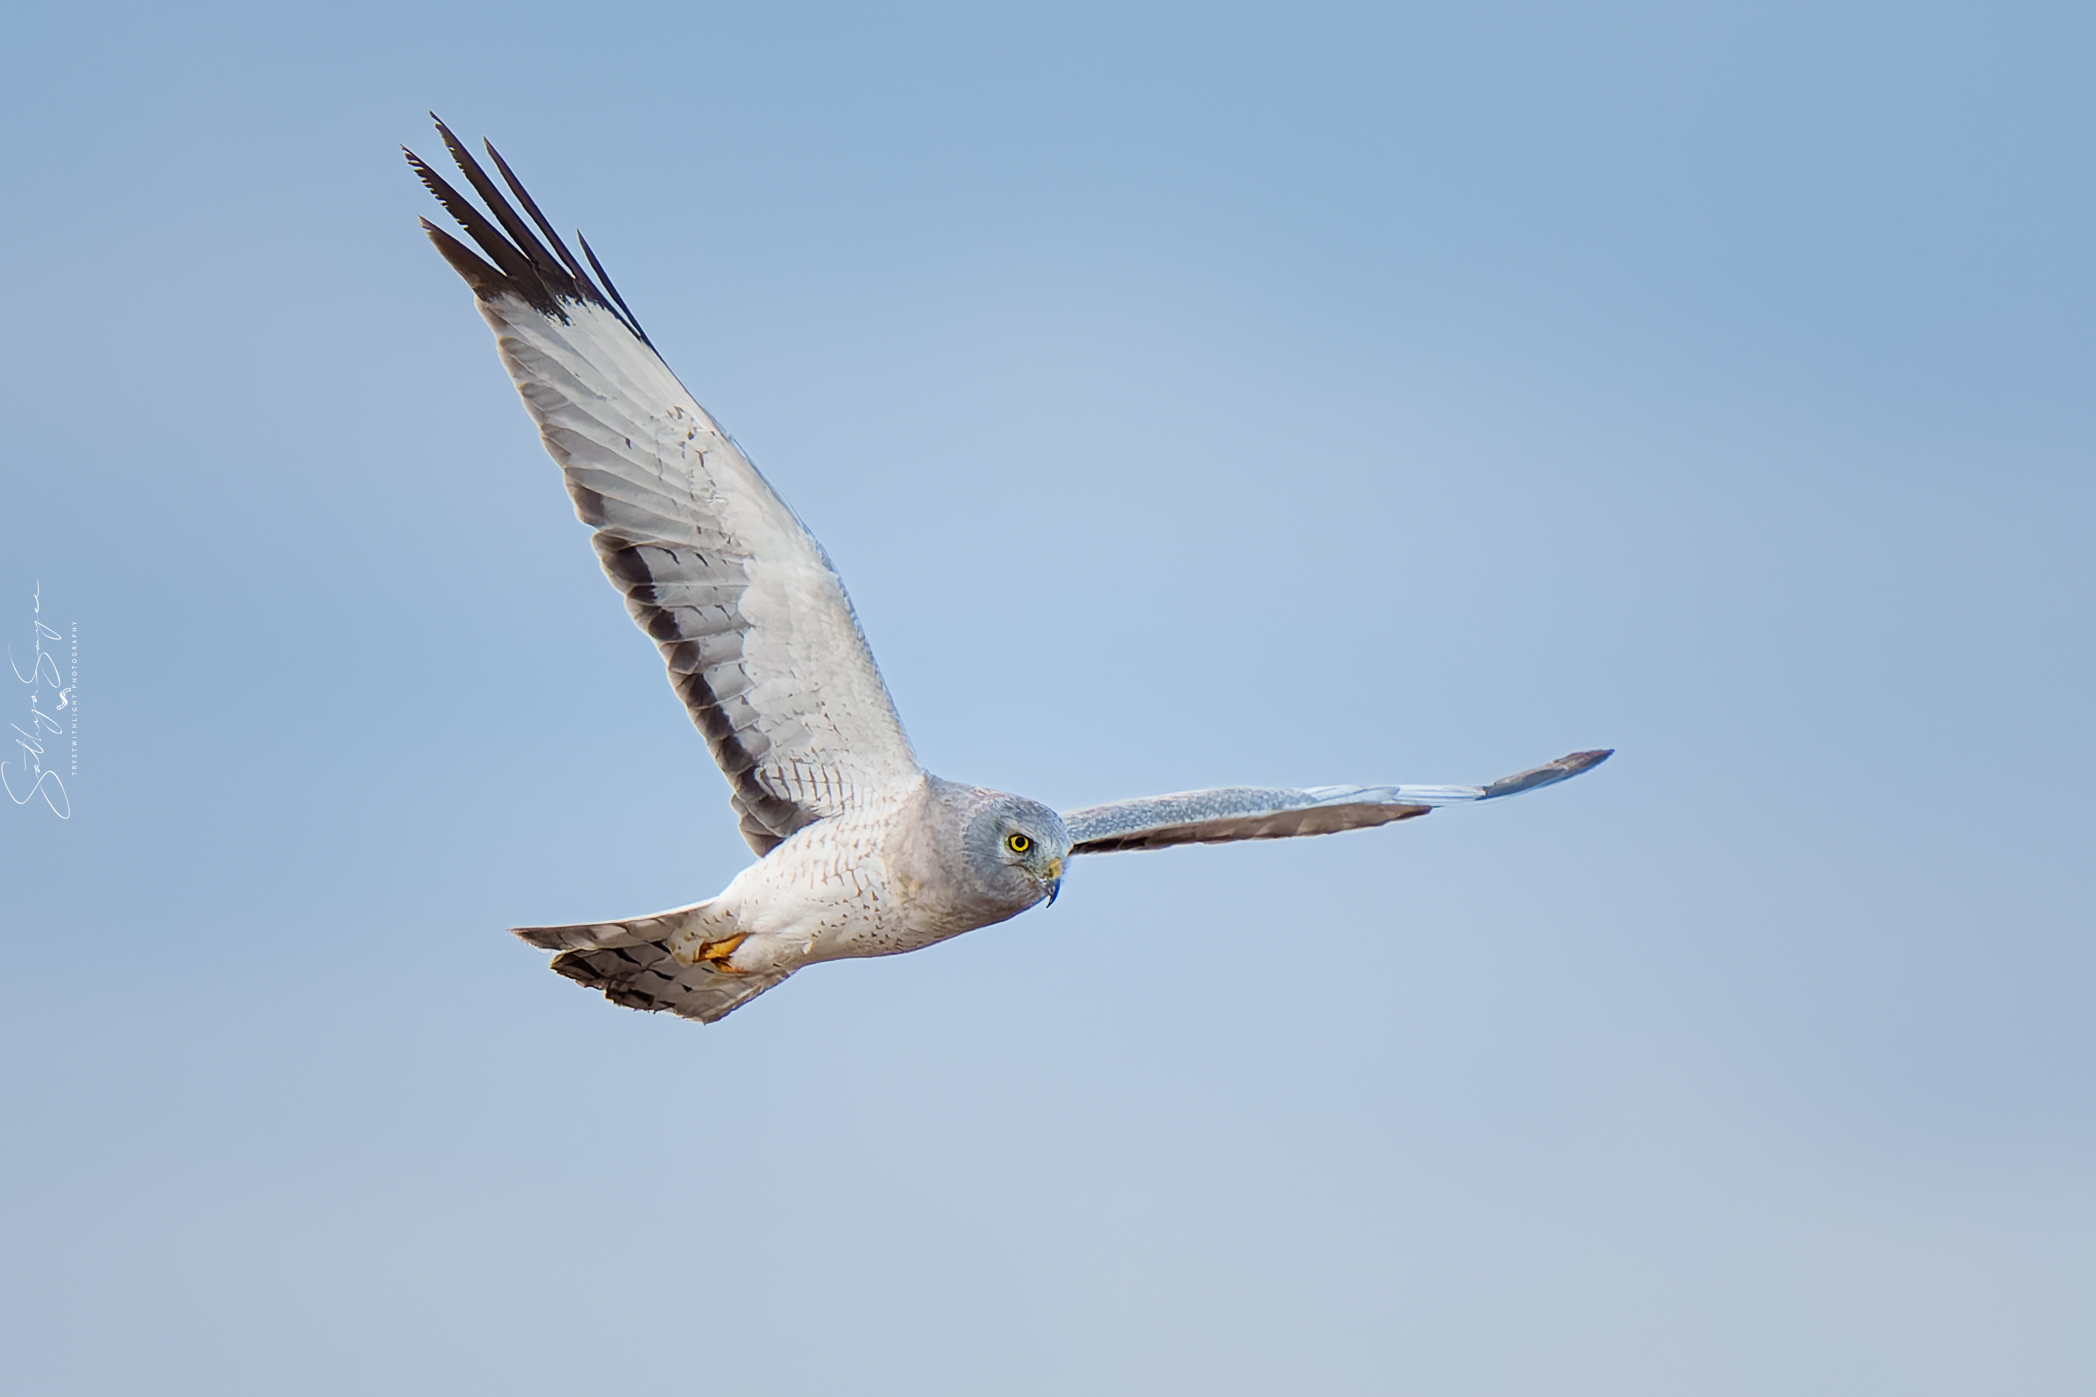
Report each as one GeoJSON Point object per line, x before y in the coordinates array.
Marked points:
{"type": "Point", "coordinates": [1017, 843]}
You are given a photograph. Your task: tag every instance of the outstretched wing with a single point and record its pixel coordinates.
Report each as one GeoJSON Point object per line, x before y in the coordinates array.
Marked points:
{"type": "Point", "coordinates": [752, 620]}
{"type": "Point", "coordinates": [1247, 812]}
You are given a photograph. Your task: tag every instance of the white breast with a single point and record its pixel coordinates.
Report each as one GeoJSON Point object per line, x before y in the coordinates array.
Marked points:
{"type": "Point", "coordinates": [828, 893]}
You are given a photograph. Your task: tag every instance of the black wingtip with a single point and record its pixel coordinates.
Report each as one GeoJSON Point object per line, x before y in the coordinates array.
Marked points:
{"type": "Point", "coordinates": [581, 278]}
{"type": "Point", "coordinates": [1563, 769]}
{"type": "Point", "coordinates": [487, 282]}
{"type": "Point", "coordinates": [516, 262]}
{"type": "Point", "coordinates": [632, 320]}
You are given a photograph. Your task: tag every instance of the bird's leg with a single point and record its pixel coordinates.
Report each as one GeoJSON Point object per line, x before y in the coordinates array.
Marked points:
{"type": "Point", "coordinates": [690, 945]}
{"type": "Point", "coordinates": [716, 953]}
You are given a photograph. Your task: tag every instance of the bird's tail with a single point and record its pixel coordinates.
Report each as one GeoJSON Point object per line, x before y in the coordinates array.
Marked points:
{"type": "Point", "coordinates": [633, 964]}
{"type": "Point", "coordinates": [600, 936]}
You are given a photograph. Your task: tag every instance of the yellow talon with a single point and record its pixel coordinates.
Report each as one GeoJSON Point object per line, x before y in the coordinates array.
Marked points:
{"type": "Point", "coordinates": [716, 953]}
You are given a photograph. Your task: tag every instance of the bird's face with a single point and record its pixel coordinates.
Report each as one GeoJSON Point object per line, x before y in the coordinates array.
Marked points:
{"type": "Point", "coordinates": [1026, 843]}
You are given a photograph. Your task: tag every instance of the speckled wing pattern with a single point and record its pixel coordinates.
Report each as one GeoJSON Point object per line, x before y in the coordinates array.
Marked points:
{"type": "Point", "coordinates": [752, 621]}
{"type": "Point", "coordinates": [1232, 813]}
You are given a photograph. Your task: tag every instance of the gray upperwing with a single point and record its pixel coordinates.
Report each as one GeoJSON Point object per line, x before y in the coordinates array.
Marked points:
{"type": "Point", "coordinates": [1231, 813]}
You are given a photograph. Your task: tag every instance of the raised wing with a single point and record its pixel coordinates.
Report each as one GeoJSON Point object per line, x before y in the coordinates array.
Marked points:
{"type": "Point", "coordinates": [752, 620]}
{"type": "Point", "coordinates": [1248, 812]}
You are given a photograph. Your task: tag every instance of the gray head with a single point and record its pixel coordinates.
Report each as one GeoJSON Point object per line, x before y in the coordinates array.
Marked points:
{"type": "Point", "coordinates": [1011, 849]}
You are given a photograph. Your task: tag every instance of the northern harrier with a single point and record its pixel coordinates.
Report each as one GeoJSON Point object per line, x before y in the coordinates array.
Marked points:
{"type": "Point", "coordinates": [861, 851]}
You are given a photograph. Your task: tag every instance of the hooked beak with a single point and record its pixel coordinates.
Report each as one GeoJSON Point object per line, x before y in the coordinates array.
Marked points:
{"type": "Point", "coordinates": [1055, 881]}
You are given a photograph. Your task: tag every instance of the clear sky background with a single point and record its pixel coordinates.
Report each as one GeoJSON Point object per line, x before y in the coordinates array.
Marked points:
{"type": "Point", "coordinates": [1190, 395]}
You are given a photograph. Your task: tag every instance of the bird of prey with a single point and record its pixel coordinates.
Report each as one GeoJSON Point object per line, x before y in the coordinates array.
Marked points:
{"type": "Point", "coordinates": [861, 851]}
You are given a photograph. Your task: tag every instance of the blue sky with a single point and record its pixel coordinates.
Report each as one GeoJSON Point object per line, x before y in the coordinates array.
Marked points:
{"type": "Point", "coordinates": [1189, 395]}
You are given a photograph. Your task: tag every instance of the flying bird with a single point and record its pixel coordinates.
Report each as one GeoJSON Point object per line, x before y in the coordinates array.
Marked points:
{"type": "Point", "coordinates": [861, 851]}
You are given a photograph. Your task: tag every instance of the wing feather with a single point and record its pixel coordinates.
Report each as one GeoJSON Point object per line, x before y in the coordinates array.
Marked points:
{"type": "Point", "coordinates": [753, 623]}
{"type": "Point", "coordinates": [1233, 813]}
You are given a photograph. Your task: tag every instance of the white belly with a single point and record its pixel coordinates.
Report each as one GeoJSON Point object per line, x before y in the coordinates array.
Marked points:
{"type": "Point", "coordinates": [828, 893]}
